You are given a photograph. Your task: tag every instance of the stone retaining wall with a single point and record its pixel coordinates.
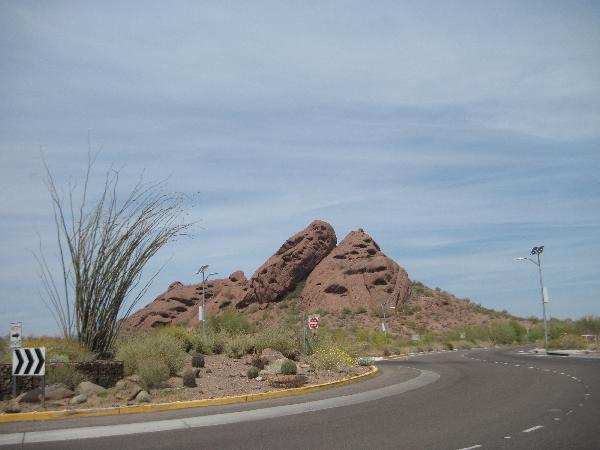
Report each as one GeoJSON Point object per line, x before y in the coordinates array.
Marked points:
{"type": "Point", "coordinates": [104, 373]}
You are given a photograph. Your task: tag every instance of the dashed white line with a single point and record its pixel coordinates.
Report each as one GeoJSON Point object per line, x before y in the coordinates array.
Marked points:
{"type": "Point", "coordinates": [470, 448]}
{"type": "Point", "coordinates": [529, 430]}
{"type": "Point", "coordinates": [569, 412]}
{"type": "Point", "coordinates": [507, 437]}
{"type": "Point", "coordinates": [557, 418]}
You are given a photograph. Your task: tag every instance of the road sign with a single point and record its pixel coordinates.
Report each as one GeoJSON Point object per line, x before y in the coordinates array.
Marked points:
{"type": "Point", "coordinates": [15, 335]}
{"type": "Point", "coordinates": [29, 361]}
{"type": "Point", "coordinates": [546, 295]}
{"type": "Point", "coordinates": [201, 313]}
{"type": "Point", "coordinates": [313, 321]}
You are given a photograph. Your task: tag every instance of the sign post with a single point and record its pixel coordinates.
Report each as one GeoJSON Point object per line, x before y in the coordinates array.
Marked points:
{"type": "Point", "coordinates": [313, 322]}
{"type": "Point", "coordinates": [16, 340]}
{"type": "Point", "coordinates": [29, 362]}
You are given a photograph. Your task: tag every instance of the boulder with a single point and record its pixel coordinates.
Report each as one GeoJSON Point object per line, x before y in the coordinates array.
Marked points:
{"type": "Point", "coordinates": [78, 399]}
{"type": "Point", "coordinates": [180, 303]}
{"type": "Point", "coordinates": [356, 273]}
{"type": "Point", "coordinates": [274, 368]}
{"type": "Point", "coordinates": [126, 389]}
{"type": "Point", "coordinates": [88, 388]}
{"type": "Point", "coordinates": [32, 396]}
{"type": "Point", "coordinates": [12, 407]}
{"type": "Point", "coordinates": [143, 397]}
{"type": "Point", "coordinates": [58, 391]}
{"type": "Point", "coordinates": [292, 263]}
{"type": "Point", "coordinates": [268, 355]}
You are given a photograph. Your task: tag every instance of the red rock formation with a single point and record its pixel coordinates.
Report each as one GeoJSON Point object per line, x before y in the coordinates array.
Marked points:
{"type": "Point", "coordinates": [356, 273]}
{"type": "Point", "coordinates": [180, 303]}
{"type": "Point", "coordinates": [293, 262]}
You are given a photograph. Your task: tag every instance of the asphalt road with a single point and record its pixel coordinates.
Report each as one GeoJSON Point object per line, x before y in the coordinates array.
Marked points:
{"type": "Point", "coordinates": [493, 399]}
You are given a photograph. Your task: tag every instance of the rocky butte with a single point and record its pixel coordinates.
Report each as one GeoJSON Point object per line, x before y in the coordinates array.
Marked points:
{"type": "Point", "coordinates": [351, 274]}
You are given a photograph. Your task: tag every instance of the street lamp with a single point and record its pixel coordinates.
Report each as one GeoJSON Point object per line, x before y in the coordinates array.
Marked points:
{"type": "Point", "coordinates": [537, 251]}
{"type": "Point", "coordinates": [383, 324]}
{"type": "Point", "coordinates": [202, 309]}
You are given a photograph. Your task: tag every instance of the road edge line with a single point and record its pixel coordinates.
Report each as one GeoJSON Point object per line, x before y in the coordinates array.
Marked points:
{"type": "Point", "coordinates": [136, 409]}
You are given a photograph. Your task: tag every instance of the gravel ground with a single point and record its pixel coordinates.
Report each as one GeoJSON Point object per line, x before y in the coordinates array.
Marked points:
{"type": "Point", "coordinates": [221, 377]}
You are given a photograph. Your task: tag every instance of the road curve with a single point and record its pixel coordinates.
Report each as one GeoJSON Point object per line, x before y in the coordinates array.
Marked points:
{"type": "Point", "coordinates": [483, 399]}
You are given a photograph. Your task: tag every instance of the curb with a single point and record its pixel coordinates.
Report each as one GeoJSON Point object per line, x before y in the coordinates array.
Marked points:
{"type": "Point", "coordinates": [73, 413]}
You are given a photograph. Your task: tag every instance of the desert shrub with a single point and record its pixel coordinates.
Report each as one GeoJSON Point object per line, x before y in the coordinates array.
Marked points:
{"type": "Point", "coordinates": [66, 374]}
{"type": "Point", "coordinates": [331, 357]}
{"type": "Point", "coordinates": [588, 325]}
{"type": "Point", "coordinates": [568, 342]}
{"type": "Point", "coordinates": [519, 330]}
{"type": "Point", "coordinates": [346, 312]}
{"type": "Point", "coordinates": [277, 338]}
{"type": "Point", "coordinates": [253, 372]}
{"type": "Point", "coordinates": [188, 339]}
{"type": "Point", "coordinates": [360, 310]}
{"type": "Point", "coordinates": [142, 347]}
{"type": "Point", "coordinates": [189, 378]}
{"type": "Point", "coordinates": [197, 360]}
{"type": "Point", "coordinates": [289, 367]}
{"type": "Point", "coordinates": [153, 372]}
{"type": "Point", "coordinates": [238, 345]}
{"type": "Point", "coordinates": [218, 343]}
{"type": "Point", "coordinates": [60, 349]}
{"type": "Point", "coordinates": [230, 321]}
{"type": "Point", "coordinates": [204, 343]}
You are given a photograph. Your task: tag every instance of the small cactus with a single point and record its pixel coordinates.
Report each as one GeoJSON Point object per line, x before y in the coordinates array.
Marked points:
{"type": "Point", "coordinates": [189, 378]}
{"type": "Point", "coordinates": [289, 367]}
{"type": "Point", "coordinates": [252, 372]}
{"type": "Point", "coordinates": [197, 360]}
{"type": "Point", "coordinates": [258, 362]}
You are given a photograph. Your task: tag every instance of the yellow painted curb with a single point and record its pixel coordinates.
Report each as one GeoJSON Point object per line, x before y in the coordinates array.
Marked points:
{"type": "Point", "coordinates": [67, 414]}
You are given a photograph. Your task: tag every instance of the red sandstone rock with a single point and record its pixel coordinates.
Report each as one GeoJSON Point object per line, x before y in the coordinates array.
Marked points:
{"type": "Point", "coordinates": [293, 262]}
{"type": "Point", "coordinates": [356, 273]}
{"type": "Point", "coordinates": [180, 303]}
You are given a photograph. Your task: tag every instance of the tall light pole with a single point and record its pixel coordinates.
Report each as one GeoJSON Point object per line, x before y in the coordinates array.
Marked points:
{"type": "Point", "coordinates": [383, 324]}
{"type": "Point", "coordinates": [537, 251]}
{"type": "Point", "coordinates": [202, 310]}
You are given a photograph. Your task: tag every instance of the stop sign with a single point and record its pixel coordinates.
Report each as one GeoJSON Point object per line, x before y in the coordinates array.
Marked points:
{"type": "Point", "coordinates": [313, 322]}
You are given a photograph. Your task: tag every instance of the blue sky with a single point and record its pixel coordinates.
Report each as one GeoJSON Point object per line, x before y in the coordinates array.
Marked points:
{"type": "Point", "coordinates": [458, 134]}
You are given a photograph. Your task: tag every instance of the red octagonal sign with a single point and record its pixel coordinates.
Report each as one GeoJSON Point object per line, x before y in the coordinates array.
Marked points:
{"type": "Point", "coordinates": [313, 322]}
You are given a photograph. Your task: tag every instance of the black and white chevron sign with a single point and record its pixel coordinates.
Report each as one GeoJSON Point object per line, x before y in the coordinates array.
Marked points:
{"type": "Point", "coordinates": [29, 361]}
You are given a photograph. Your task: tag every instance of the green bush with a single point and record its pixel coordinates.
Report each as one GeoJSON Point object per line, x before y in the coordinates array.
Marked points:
{"type": "Point", "coordinates": [238, 345]}
{"type": "Point", "coordinates": [230, 321]}
{"type": "Point", "coordinates": [331, 357]}
{"type": "Point", "coordinates": [188, 339]}
{"type": "Point", "coordinates": [278, 338]}
{"type": "Point", "coordinates": [60, 349]}
{"type": "Point", "coordinates": [153, 372]}
{"type": "Point", "coordinates": [142, 347]}
{"type": "Point", "coordinates": [66, 374]}
{"type": "Point", "coordinates": [253, 372]}
{"type": "Point", "coordinates": [289, 367]}
{"type": "Point", "coordinates": [189, 378]}
{"type": "Point", "coordinates": [568, 342]}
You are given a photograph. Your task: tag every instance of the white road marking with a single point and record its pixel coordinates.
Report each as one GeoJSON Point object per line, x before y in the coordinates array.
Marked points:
{"type": "Point", "coordinates": [470, 448]}
{"type": "Point", "coordinates": [517, 365]}
{"type": "Point", "coordinates": [426, 377]}
{"type": "Point", "coordinates": [531, 367]}
{"type": "Point", "coordinates": [562, 373]}
{"type": "Point", "coordinates": [507, 437]}
{"type": "Point", "coordinates": [529, 430]}
{"type": "Point", "coordinates": [569, 412]}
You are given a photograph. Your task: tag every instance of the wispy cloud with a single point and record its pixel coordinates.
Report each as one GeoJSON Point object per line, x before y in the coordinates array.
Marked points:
{"type": "Point", "coordinates": [457, 135]}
